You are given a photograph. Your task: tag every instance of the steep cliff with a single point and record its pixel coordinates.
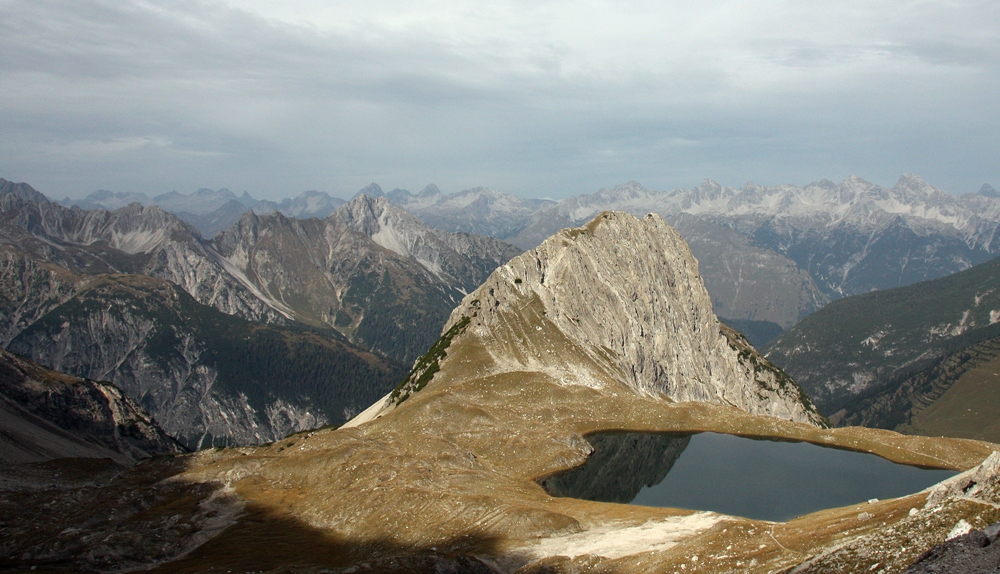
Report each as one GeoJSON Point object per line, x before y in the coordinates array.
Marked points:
{"type": "Point", "coordinates": [620, 301]}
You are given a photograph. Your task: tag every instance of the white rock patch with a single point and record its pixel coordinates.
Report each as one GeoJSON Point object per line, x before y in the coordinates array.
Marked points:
{"type": "Point", "coordinates": [611, 542]}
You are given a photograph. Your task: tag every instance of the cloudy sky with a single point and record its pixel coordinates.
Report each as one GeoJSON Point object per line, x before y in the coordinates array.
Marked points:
{"type": "Point", "coordinates": [536, 98]}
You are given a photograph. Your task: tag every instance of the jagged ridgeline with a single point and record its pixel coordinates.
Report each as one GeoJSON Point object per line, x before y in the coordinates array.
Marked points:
{"type": "Point", "coordinates": [886, 358]}
{"type": "Point", "coordinates": [208, 378]}
{"type": "Point", "coordinates": [618, 301]}
{"type": "Point", "coordinates": [370, 270]}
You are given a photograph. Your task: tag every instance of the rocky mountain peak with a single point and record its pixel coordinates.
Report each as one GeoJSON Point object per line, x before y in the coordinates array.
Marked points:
{"type": "Point", "coordinates": [915, 186]}
{"type": "Point", "coordinates": [987, 191]}
{"type": "Point", "coordinates": [371, 190]}
{"type": "Point", "coordinates": [855, 182]}
{"type": "Point", "coordinates": [21, 191]}
{"type": "Point", "coordinates": [247, 226]}
{"type": "Point", "coordinates": [631, 187]}
{"type": "Point", "coordinates": [368, 214]}
{"type": "Point", "coordinates": [247, 200]}
{"type": "Point", "coordinates": [620, 299]}
{"type": "Point", "coordinates": [430, 191]}
{"type": "Point", "coordinates": [708, 184]}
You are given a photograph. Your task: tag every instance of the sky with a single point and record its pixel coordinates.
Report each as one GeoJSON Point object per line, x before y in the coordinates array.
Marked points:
{"type": "Point", "coordinates": [536, 98]}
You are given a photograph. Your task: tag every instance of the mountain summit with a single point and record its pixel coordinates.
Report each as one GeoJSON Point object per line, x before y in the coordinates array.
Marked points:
{"type": "Point", "coordinates": [618, 301]}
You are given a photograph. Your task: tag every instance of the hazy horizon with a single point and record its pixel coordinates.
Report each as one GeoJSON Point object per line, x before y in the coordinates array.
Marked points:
{"type": "Point", "coordinates": [417, 189]}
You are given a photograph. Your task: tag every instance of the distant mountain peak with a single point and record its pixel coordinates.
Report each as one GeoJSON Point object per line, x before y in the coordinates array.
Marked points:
{"type": "Point", "coordinates": [914, 183]}
{"type": "Point", "coordinates": [710, 184]}
{"type": "Point", "coordinates": [247, 200]}
{"type": "Point", "coordinates": [169, 195]}
{"type": "Point", "coordinates": [371, 203]}
{"type": "Point", "coordinates": [365, 213]}
{"type": "Point", "coordinates": [631, 184]}
{"type": "Point", "coordinates": [987, 191]}
{"type": "Point", "coordinates": [371, 190]}
{"type": "Point", "coordinates": [429, 190]}
{"type": "Point", "coordinates": [857, 181]}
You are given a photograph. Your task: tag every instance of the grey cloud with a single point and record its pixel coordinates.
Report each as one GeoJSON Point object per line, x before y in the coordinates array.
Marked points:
{"type": "Point", "coordinates": [147, 96]}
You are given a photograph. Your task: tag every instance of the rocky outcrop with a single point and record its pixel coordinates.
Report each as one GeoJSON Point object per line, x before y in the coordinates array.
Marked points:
{"type": "Point", "coordinates": [47, 415]}
{"type": "Point", "coordinates": [620, 301]}
{"type": "Point", "coordinates": [972, 553]}
{"type": "Point", "coordinates": [30, 289]}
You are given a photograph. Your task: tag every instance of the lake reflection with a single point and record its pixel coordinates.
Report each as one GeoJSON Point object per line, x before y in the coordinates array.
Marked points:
{"type": "Point", "coordinates": [762, 479]}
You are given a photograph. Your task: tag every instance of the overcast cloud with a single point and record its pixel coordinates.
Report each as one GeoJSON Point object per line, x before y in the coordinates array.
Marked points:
{"type": "Point", "coordinates": [534, 98]}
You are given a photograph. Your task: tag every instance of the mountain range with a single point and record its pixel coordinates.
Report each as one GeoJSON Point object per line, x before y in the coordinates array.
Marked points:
{"type": "Point", "coordinates": [211, 211]}
{"type": "Point", "coordinates": [769, 255]}
{"type": "Point", "coordinates": [238, 340]}
{"type": "Point", "coordinates": [370, 270]}
{"type": "Point", "coordinates": [604, 328]}
{"type": "Point", "coordinates": [358, 271]}
{"type": "Point", "coordinates": [477, 210]}
{"type": "Point", "coordinates": [207, 377]}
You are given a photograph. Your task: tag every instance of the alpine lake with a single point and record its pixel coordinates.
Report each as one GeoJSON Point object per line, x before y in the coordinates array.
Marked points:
{"type": "Point", "coordinates": [754, 478]}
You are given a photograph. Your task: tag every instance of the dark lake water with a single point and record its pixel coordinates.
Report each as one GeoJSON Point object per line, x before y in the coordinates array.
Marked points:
{"type": "Point", "coordinates": [761, 479]}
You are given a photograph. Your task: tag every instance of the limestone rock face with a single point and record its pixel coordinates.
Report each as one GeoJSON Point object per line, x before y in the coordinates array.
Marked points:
{"type": "Point", "coordinates": [620, 299]}
{"type": "Point", "coordinates": [370, 270]}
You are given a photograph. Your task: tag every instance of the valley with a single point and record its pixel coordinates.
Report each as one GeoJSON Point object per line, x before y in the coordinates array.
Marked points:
{"type": "Point", "coordinates": [882, 358]}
